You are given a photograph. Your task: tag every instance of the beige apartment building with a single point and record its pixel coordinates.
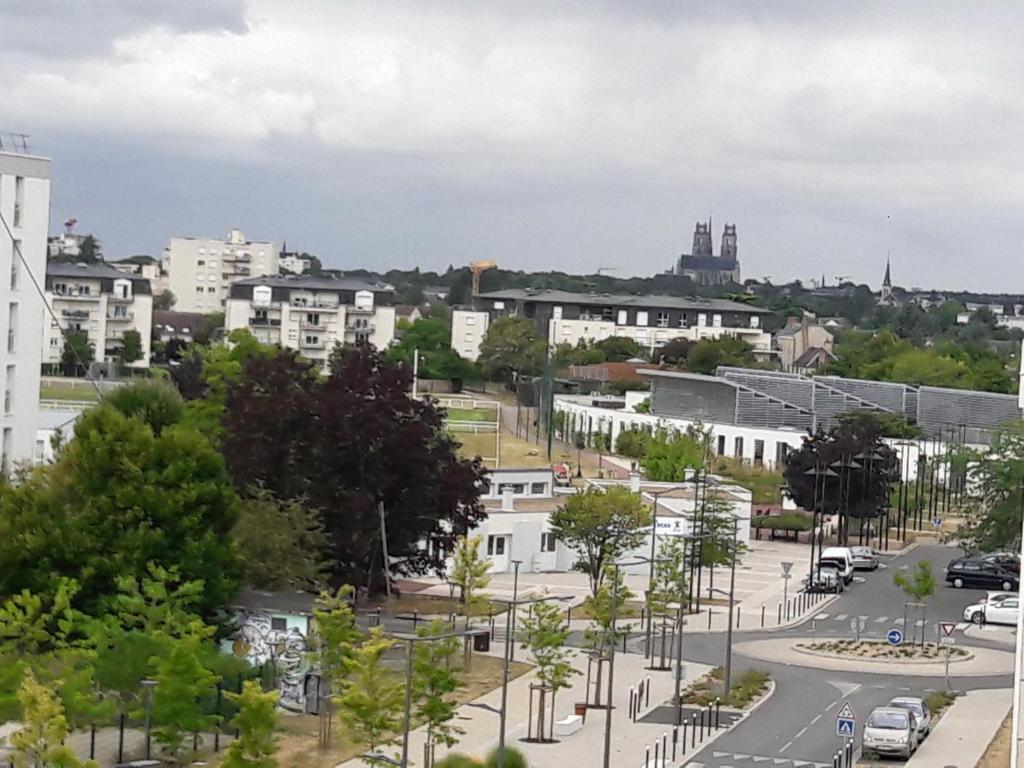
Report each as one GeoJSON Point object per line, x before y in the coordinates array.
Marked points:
{"type": "Point", "coordinates": [201, 271]}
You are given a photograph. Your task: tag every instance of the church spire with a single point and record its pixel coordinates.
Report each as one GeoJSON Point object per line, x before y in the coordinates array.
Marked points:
{"type": "Point", "coordinates": [887, 280]}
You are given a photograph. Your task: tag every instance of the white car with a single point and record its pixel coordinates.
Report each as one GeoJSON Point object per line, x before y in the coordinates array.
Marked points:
{"type": "Point", "coordinates": [891, 731]}
{"type": "Point", "coordinates": [1003, 612]}
{"type": "Point", "coordinates": [997, 597]}
{"type": "Point", "coordinates": [842, 558]}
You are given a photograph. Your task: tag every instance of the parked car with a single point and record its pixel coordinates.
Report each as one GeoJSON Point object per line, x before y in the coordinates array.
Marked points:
{"type": "Point", "coordinates": [1009, 561]}
{"type": "Point", "coordinates": [919, 709]}
{"type": "Point", "coordinates": [1003, 612]}
{"type": "Point", "coordinates": [842, 558]}
{"type": "Point", "coordinates": [864, 558]}
{"type": "Point", "coordinates": [891, 731]}
{"type": "Point", "coordinates": [978, 572]}
{"type": "Point", "coordinates": [825, 578]}
{"type": "Point", "coordinates": [997, 597]}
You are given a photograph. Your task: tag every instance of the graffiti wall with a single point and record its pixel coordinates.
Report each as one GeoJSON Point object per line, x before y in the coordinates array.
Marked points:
{"type": "Point", "coordinates": [280, 641]}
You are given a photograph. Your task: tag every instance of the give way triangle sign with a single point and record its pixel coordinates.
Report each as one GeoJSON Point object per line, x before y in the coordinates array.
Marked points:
{"type": "Point", "coordinates": [845, 712]}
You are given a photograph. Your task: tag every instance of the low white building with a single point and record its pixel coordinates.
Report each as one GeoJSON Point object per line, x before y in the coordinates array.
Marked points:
{"type": "Point", "coordinates": [293, 263]}
{"type": "Point", "coordinates": [312, 314]}
{"type": "Point", "coordinates": [144, 266]}
{"type": "Point", "coordinates": [101, 302]}
{"type": "Point", "coordinates": [468, 330]}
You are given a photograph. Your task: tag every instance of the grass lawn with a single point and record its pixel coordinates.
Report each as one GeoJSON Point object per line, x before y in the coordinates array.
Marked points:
{"type": "Point", "coordinates": [473, 414]}
{"type": "Point", "coordinates": [298, 742]}
{"type": "Point", "coordinates": [763, 484]}
{"type": "Point", "coordinates": [49, 391]}
{"type": "Point", "coordinates": [630, 610]}
{"type": "Point", "coordinates": [998, 753]}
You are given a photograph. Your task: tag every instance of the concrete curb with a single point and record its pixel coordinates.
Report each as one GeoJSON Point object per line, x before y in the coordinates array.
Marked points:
{"type": "Point", "coordinates": [827, 655]}
{"type": "Point", "coordinates": [746, 714]}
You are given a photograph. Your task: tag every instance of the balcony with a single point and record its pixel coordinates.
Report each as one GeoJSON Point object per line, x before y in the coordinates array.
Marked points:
{"type": "Point", "coordinates": [305, 325]}
{"type": "Point", "coordinates": [127, 317]}
{"type": "Point", "coordinates": [368, 328]}
{"type": "Point", "coordinates": [360, 310]}
{"type": "Point", "coordinates": [311, 344]}
{"type": "Point", "coordinates": [75, 296]}
{"type": "Point", "coordinates": [75, 314]}
{"type": "Point", "coordinates": [265, 322]}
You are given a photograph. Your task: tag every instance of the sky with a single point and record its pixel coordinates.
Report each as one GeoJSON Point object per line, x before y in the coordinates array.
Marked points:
{"type": "Point", "coordinates": [542, 135]}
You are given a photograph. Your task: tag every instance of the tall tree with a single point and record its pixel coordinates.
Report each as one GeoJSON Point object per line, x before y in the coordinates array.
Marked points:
{"type": "Point", "coordinates": [437, 360]}
{"type": "Point", "coordinates": [599, 526]}
{"type": "Point", "coordinates": [544, 634]}
{"type": "Point", "coordinates": [994, 491]}
{"type": "Point", "coordinates": [334, 635]}
{"type": "Point", "coordinates": [78, 352]}
{"type": "Point", "coordinates": [612, 593]}
{"type": "Point", "coordinates": [511, 348]}
{"type": "Point", "coordinates": [666, 458]}
{"type": "Point", "coordinates": [164, 300]}
{"type": "Point", "coordinates": [40, 740]}
{"type": "Point", "coordinates": [181, 681]}
{"type": "Point", "coordinates": [434, 682]}
{"type": "Point", "coordinates": [469, 572]}
{"type": "Point", "coordinates": [707, 354]}
{"type": "Point", "coordinates": [351, 444]}
{"type": "Point", "coordinates": [90, 250]}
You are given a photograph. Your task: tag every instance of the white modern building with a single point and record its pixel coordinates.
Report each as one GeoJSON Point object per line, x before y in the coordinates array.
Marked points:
{"type": "Point", "coordinates": [520, 503]}
{"type": "Point", "coordinates": [312, 314]}
{"type": "Point", "coordinates": [564, 317]}
{"type": "Point", "coordinates": [100, 301]}
{"type": "Point", "coordinates": [293, 263]}
{"type": "Point", "coordinates": [144, 266]}
{"type": "Point", "coordinates": [201, 271]}
{"type": "Point", "coordinates": [25, 208]}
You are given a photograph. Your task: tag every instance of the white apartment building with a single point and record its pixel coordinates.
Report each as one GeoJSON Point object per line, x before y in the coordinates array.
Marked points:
{"type": "Point", "coordinates": [564, 317]}
{"type": "Point", "coordinates": [144, 266]}
{"type": "Point", "coordinates": [201, 271]}
{"type": "Point", "coordinates": [468, 330]}
{"type": "Point", "coordinates": [292, 262]}
{"type": "Point", "coordinates": [100, 301]}
{"type": "Point", "coordinates": [312, 314]}
{"type": "Point", "coordinates": [25, 207]}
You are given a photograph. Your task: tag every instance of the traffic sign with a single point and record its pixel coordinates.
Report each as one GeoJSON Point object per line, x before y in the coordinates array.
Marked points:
{"type": "Point", "coordinates": [947, 628]}
{"type": "Point", "coordinates": [947, 640]}
{"type": "Point", "coordinates": [894, 636]}
{"type": "Point", "coordinates": [786, 566]}
{"type": "Point", "coordinates": [857, 623]}
{"type": "Point", "coordinates": [846, 726]}
{"type": "Point", "coordinates": [846, 712]}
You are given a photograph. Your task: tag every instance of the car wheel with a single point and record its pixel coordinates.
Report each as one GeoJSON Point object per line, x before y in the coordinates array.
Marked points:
{"type": "Point", "coordinates": [978, 617]}
{"type": "Point", "coordinates": [1007, 586]}
{"type": "Point", "coordinates": [958, 583]}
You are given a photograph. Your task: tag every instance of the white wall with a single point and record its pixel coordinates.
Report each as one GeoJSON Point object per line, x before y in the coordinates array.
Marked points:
{"type": "Point", "coordinates": [468, 331]}
{"type": "Point", "coordinates": [185, 275]}
{"type": "Point", "coordinates": [20, 364]}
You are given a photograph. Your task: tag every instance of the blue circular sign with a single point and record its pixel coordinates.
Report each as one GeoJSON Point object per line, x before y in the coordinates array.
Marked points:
{"type": "Point", "coordinates": [894, 636]}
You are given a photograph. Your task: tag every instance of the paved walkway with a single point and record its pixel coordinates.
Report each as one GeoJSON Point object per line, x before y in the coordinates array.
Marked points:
{"type": "Point", "coordinates": [965, 731]}
{"type": "Point", "coordinates": [583, 748]}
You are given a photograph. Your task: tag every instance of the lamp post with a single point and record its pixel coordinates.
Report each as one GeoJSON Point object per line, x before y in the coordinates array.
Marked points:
{"type": "Point", "coordinates": [727, 676]}
{"type": "Point", "coordinates": [149, 685]}
{"type": "Point", "coordinates": [817, 513]}
{"type": "Point", "coordinates": [650, 576]}
{"type": "Point", "coordinates": [845, 464]}
{"type": "Point", "coordinates": [510, 630]}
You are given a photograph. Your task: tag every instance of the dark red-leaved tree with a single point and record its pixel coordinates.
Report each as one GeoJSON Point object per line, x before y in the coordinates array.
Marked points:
{"type": "Point", "coordinates": [862, 490]}
{"type": "Point", "coordinates": [347, 443]}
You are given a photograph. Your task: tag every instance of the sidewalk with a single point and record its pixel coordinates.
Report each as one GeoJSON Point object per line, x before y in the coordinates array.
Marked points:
{"type": "Point", "coordinates": [965, 731]}
{"type": "Point", "coordinates": [583, 749]}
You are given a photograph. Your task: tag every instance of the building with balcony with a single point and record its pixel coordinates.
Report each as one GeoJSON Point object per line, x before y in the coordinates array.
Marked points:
{"type": "Point", "coordinates": [312, 314]}
{"type": "Point", "coordinates": [201, 271]}
{"type": "Point", "coordinates": [100, 301]}
{"type": "Point", "coordinates": [25, 207]}
{"type": "Point", "coordinates": [145, 266]}
{"type": "Point", "coordinates": [652, 321]}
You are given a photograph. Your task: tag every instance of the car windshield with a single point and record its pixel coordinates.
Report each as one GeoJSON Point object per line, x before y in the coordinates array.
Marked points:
{"type": "Point", "coordinates": [896, 721]}
{"type": "Point", "coordinates": [913, 706]}
{"type": "Point", "coordinates": [862, 551]}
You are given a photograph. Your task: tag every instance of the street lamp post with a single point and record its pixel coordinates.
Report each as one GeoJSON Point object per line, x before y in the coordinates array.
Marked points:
{"type": "Point", "coordinates": [149, 685]}
{"type": "Point", "coordinates": [611, 672]}
{"type": "Point", "coordinates": [512, 617]}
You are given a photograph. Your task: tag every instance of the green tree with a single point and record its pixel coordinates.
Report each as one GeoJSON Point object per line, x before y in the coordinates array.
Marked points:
{"type": "Point", "coordinates": [33, 624]}
{"type": "Point", "coordinates": [282, 544]}
{"type": "Point", "coordinates": [78, 352]}
{"type": "Point", "coordinates": [90, 250]}
{"type": "Point", "coordinates": [599, 526]}
{"type": "Point", "coordinates": [613, 591]}
{"type": "Point", "coordinates": [437, 360]}
{"type": "Point", "coordinates": [707, 354]}
{"type": "Point", "coordinates": [131, 347]}
{"type": "Point", "coordinates": [669, 576]}
{"type": "Point", "coordinates": [632, 443]}
{"type": "Point", "coordinates": [510, 348]}
{"type": "Point", "coordinates": [434, 682]}
{"type": "Point", "coordinates": [469, 573]}
{"type": "Point", "coordinates": [994, 491]}
{"type": "Point", "coordinates": [511, 758]}
{"type": "Point", "coordinates": [40, 741]}
{"type": "Point", "coordinates": [918, 583]}
{"type": "Point", "coordinates": [155, 402]}
{"type": "Point", "coordinates": [668, 457]}
{"type": "Point", "coordinates": [181, 681]}
{"type": "Point", "coordinates": [334, 634]}
{"type": "Point", "coordinates": [544, 634]}
{"type": "Point", "coordinates": [714, 520]}
{"type": "Point", "coordinates": [373, 698]}
{"type": "Point", "coordinates": [618, 349]}
{"type": "Point", "coordinates": [256, 720]}
{"type": "Point", "coordinates": [164, 301]}
{"type": "Point", "coordinates": [209, 327]}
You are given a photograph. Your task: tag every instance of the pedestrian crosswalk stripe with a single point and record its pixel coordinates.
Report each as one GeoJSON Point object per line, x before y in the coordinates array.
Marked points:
{"type": "Point", "coordinates": [898, 622]}
{"type": "Point", "coordinates": [720, 754]}
{"type": "Point", "coordinates": [821, 617]}
{"type": "Point", "coordinates": [841, 617]}
{"type": "Point", "coordinates": [881, 620]}
{"type": "Point", "coordinates": [962, 625]}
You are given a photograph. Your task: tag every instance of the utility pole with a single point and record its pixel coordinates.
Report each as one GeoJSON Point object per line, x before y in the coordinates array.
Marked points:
{"type": "Point", "coordinates": [611, 672]}
{"type": "Point", "coordinates": [732, 593]}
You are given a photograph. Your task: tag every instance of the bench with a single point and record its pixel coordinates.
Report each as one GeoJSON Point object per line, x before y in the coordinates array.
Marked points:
{"type": "Point", "coordinates": [568, 725]}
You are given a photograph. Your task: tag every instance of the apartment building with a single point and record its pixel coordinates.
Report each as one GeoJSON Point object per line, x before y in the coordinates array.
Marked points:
{"type": "Point", "coordinates": [103, 303]}
{"type": "Point", "coordinates": [145, 266]}
{"type": "Point", "coordinates": [201, 271]}
{"type": "Point", "coordinates": [312, 314]}
{"type": "Point", "coordinates": [25, 208]}
{"type": "Point", "coordinates": [652, 321]}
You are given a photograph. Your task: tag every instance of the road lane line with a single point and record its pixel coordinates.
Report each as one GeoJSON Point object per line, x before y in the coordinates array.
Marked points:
{"type": "Point", "coordinates": [785, 746]}
{"type": "Point", "coordinates": [831, 705]}
{"type": "Point", "coordinates": [801, 732]}
{"type": "Point", "coordinates": [817, 717]}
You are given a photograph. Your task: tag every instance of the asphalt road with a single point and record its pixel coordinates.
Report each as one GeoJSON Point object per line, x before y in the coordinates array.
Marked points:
{"type": "Point", "coordinates": [796, 727]}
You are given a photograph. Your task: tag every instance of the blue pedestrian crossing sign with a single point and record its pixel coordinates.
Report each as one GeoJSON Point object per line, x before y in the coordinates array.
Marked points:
{"type": "Point", "coordinates": [894, 636]}
{"type": "Point", "coordinates": [846, 726]}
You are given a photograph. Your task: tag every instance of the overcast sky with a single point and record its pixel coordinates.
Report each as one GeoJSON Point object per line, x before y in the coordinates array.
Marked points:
{"type": "Point", "coordinates": [542, 135]}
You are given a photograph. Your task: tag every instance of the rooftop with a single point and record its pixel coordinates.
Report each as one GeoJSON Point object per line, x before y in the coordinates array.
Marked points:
{"type": "Point", "coordinates": [97, 271]}
{"type": "Point", "coordinates": [619, 300]}
{"type": "Point", "coordinates": [310, 282]}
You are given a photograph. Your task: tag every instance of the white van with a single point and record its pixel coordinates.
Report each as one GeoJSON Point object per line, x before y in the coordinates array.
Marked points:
{"type": "Point", "coordinates": [842, 558]}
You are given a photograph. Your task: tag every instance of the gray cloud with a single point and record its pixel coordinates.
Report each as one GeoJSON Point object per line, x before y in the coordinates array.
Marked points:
{"type": "Point", "coordinates": [570, 136]}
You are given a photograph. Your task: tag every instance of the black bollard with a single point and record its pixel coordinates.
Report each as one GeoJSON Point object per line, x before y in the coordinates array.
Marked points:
{"type": "Point", "coordinates": [693, 730]}
{"type": "Point", "coordinates": [762, 615]}
{"type": "Point", "coordinates": [718, 713]}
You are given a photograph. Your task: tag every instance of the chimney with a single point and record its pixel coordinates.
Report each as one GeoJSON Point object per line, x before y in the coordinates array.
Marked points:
{"type": "Point", "coordinates": [634, 482]}
{"type": "Point", "coordinates": [508, 503]}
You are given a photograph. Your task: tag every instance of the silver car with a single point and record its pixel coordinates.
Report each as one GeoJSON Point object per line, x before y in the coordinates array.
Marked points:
{"type": "Point", "coordinates": [864, 559]}
{"type": "Point", "coordinates": [920, 711]}
{"type": "Point", "coordinates": [891, 731]}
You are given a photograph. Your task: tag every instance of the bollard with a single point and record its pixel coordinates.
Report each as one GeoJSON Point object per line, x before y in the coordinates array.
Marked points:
{"type": "Point", "coordinates": [684, 737]}
{"type": "Point", "coordinates": [568, 615]}
{"type": "Point", "coordinates": [718, 713]}
{"type": "Point", "coordinates": [623, 643]}
{"type": "Point", "coordinates": [675, 741]}
{"type": "Point", "coordinates": [762, 615]}
{"type": "Point", "coordinates": [709, 617]}
{"type": "Point", "coordinates": [120, 740]}
{"type": "Point", "coordinates": [664, 746]}
{"type": "Point", "coordinates": [780, 613]}
{"type": "Point", "coordinates": [702, 724]}
{"type": "Point", "coordinates": [647, 759]}
{"type": "Point", "coordinates": [709, 717]}
{"type": "Point", "coordinates": [835, 761]}
{"type": "Point", "coordinates": [657, 758]}
{"type": "Point", "coordinates": [647, 693]}
{"type": "Point", "coordinates": [632, 704]}
{"type": "Point", "coordinates": [693, 730]}
{"type": "Point", "coordinates": [92, 741]}
{"type": "Point", "coordinates": [738, 607]}
{"type": "Point", "coordinates": [195, 741]}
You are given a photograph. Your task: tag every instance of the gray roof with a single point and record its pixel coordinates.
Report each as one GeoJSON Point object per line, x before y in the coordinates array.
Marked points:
{"type": "Point", "coordinates": [93, 271]}
{"type": "Point", "coordinates": [620, 300]}
{"type": "Point", "coordinates": [811, 355]}
{"type": "Point", "coordinates": [315, 283]}
{"type": "Point", "coordinates": [284, 602]}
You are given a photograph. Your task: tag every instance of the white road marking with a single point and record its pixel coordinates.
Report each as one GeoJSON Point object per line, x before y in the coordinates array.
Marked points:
{"type": "Point", "coordinates": [817, 717]}
{"type": "Point", "coordinates": [821, 617]}
{"type": "Point", "coordinates": [784, 747]}
{"type": "Point", "coordinates": [881, 620]}
{"type": "Point", "coordinates": [801, 732]}
{"type": "Point", "coordinates": [840, 617]}
{"type": "Point", "coordinates": [831, 705]}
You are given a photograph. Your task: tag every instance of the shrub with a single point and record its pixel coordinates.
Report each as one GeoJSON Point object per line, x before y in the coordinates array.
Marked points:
{"type": "Point", "coordinates": [513, 759]}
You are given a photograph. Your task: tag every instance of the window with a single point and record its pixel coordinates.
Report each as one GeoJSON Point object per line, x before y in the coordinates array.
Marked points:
{"type": "Point", "coordinates": [755, 321]}
{"type": "Point", "coordinates": [19, 200]}
{"type": "Point", "coordinates": [684, 321]}
{"type": "Point", "coordinates": [738, 448]}
{"type": "Point", "coordinates": [759, 452]}
{"type": "Point", "coordinates": [201, 262]}
{"type": "Point", "coordinates": [495, 545]}
{"type": "Point", "coordinates": [623, 317]}
{"type": "Point", "coordinates": [12, 327]}
{"type": "Point", "coordinates": [499, 305]}
{"type": "Point", "coordinates": [211, 289]}
{"type": "Point", "coordinates": [641, 318]}
{"type": "Point", "coordinates": [716, 321]}
{"type": "Point", "coordinates": [721, 445]}
{"type": "Point", "coordinates": [55, 341]}
{"type": "Point", "coordinates": [312, 340]}
{"type": "Point", "coordinates": [15, 265]}
{"type": "Point", "coordinates": [212, 264]}
{"type": "Point", "coordinates": [8, 448]}
{"type": "Point", "coordinates": [40, 449]}
{"type": "Point", "coordinates": [547, 542]}
{"type": "Point", "coordinates": [517, 488]}
{"type": "Point", "coordinates": [279, 623]}
{"type": "Point", "coordinates": [199, 289]}
{"type": "Point", "coordinates": [662, 321]}
{"type": "Point", "coordinates": [538, 489]}
{"type": "Point", "coordinates": [470, 321]}
{"type": "Point", "coordinates": [9, 391]}
{"type": "Point", "coordinates": [556, 313]}
{"type": "Point", "coordinates": [469, 335]}
{"type": "Point", "coordinates": [781, 453]}
{"type": "Point", "coordinates": [312, 318]}
{"type": "Point", "coordinates": [200, 278]}
{"type": "Point", "coordinates": [702, 319]}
